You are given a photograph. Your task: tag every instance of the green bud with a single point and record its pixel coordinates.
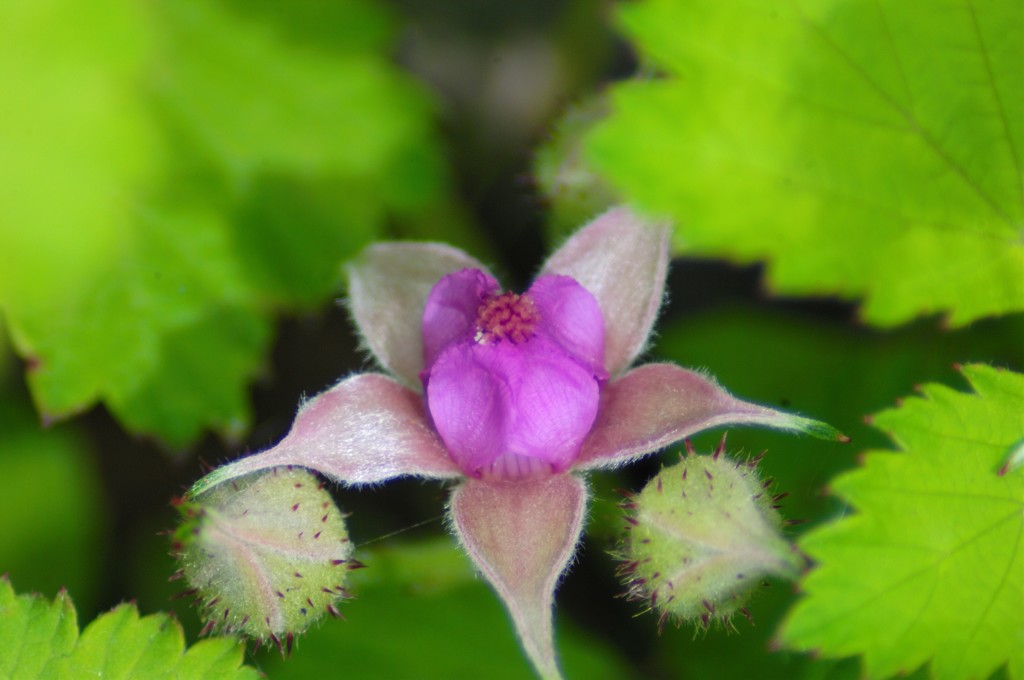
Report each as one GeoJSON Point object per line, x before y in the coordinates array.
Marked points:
{"type": "Point", "coordinates": [701, 536]}
{"type": "Point", "coordinates": [266, 554]}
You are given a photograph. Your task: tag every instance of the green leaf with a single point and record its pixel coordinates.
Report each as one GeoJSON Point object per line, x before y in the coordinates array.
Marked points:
{"type": "Point", "coordinates": [76, 143]}
{"type": "Point", "coordinates": [39, 639]}
{"type": "Point", "coordinates": [930, 567]}
{"type": "Point", "coordinates": [34, 633]}
{"type": "Point", "coordinates": [168, 337]}
{"type": "Point", "coordinates": [863, 149]}
{"type": "Point", "coordinates": [178, 170]}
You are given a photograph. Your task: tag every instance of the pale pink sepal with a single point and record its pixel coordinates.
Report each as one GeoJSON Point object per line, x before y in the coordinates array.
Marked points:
{"type": "Point", "coordinates": [521, 536]}
{"type": "Point", "coordinates": [365, 429]}
{"type": "Point", "coordinates": [387, 291]}
{"type": "Point", "coordinates": [623, 261]}
{"type": "Point", "coordinates": [655, 405]}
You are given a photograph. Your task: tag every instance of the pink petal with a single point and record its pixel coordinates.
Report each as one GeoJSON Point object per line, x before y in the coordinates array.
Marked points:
{"type": "Point", "coordinates": [655, 405]}
{"type": "Point", "coordinates": [521, 537]}
{"type": "Point", "coordinates": [623, 262]}
{"type": "Point", "coordinates": [556, 402]}
{"type": "Point", "coordinates": [388, 288]}
{"type": "Point", "coordinates": [469, 406]}
{"type": "Point", "coordinates": [452, 308]}
{"type": "Point", "coordinates": [570, 316]}
{"type": "Point", "coordinates": [530, 400]}
{"type": "Point", "coordinates": [365, 429]}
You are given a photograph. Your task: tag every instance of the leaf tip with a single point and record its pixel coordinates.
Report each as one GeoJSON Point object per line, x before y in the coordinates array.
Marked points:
{"type": "Point", "coordinates": [820, 430]}
{"type": "Point", "coordinates": [1013, 460]}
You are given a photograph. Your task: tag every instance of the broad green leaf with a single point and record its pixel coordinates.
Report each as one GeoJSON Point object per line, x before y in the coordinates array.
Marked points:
{"type": "Point", "coordinates": [34, 633]}
{"type": "Point", "coordinates": [173, 172]}
{"type": "Point", "coordinates": [222, 69]}
{"type": "Point", "coordinates": [120, 644]}
{"type": "Point", "coordinates": [168, 337]}
{"type": "Point", "coordinates": [76, 144]}
{"type": "Point", "coordinates": [929, 568]}
{"type": "Point", "coordinates": [39, 639]}
{"type": "Point", "coordinates": [870, 150]}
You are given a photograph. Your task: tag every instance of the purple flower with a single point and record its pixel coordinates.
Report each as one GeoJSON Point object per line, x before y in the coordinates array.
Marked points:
{"type": "Point", "coordinates": [520, 393]}
{"type": "Point", "coordinates": [512, 382]}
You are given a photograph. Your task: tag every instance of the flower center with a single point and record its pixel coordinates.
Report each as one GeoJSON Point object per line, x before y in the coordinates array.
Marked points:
{"type": "Point", "coordinates": [507, 316]}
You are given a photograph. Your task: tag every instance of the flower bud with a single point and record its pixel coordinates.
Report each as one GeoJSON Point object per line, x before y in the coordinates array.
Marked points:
{"type": "Point", "coordinates": [702, 534]}
{"type": "Point", "coordinates": [266, 555]}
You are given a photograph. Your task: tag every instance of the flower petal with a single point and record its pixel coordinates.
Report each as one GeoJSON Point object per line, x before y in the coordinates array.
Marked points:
{"type": "Point", "coordinates": [571, 317]}
{"type": "Point", "coordinates": [521, 536]}
{"type": "Point", "coordinates": [452, 308]}
{"type": "Point", "coordinates": [530, 400]}
{"type": "Point", "coordinates": [623, 262]}
{"type": "Point", "coordinates": [555, 401]}
{"type": "Point", "coordinates": [470, 407]}
{"type": "Point", "coordinates": [387, 290]}
{"type": "Point", "coordinates": [655, 405]}
{"type": "Point", "coordinates": [365, 429]}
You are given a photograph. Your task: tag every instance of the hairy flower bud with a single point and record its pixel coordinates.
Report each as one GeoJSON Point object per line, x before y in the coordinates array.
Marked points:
{"type": "Point", "coordinates": [702, 534]}
{"type": "Point", "coordinates": [266, 555]}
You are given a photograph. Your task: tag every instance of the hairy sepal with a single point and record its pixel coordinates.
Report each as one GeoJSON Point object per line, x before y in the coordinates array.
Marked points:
{"type": "Point", "coordinates": [622, 259]}
{"type": "Point", "coordinates": [655, 405]}
{"type": "Point", "coordinates": [522, 536]}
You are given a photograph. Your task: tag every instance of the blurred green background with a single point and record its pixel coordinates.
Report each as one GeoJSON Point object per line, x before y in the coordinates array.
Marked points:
{"type": "Point", "coordinates": [180, 183]}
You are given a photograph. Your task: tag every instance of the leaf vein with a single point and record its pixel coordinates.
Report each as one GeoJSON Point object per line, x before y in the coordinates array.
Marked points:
{"type": "Point", "coordinates": [983, 615]}
{"type": "Point", "coordinates": [864, 603]}
{"type": "Point", "coordinates": [911, 119]}
{"type": "Point", "coordinates": [998, 99]}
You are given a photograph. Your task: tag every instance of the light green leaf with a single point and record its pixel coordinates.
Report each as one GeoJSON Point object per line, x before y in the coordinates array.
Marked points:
{"type": "Point", "coordinates": [34, 633]}
{"type": "Point", "coordinates": [865, 149]}
{"type": "Point", "coordinates": [75, 141]}
{"type": "Point", "coordinates": [252, 97]}
{"type": "Point", "coordinates": [174, 171]}
{"type": "Point", "coordinates": [39, 639]}
{"type": "Point", "coordinates": [168, 337]}
{"type": "Point", "coordinates": [930, 566]}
